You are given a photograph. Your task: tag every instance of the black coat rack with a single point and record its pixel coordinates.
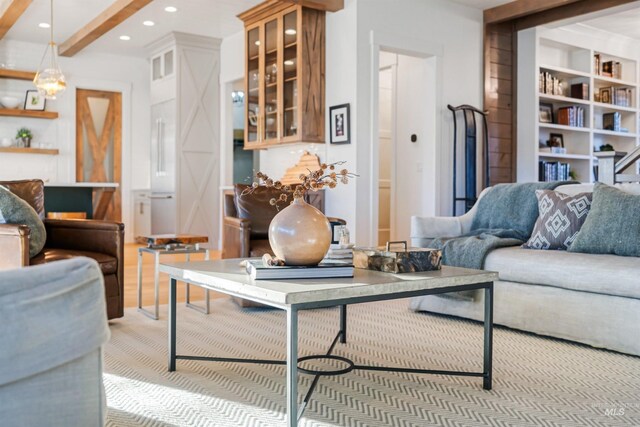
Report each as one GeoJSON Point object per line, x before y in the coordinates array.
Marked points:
{"type": "Point", "coordinates": [470, 154]}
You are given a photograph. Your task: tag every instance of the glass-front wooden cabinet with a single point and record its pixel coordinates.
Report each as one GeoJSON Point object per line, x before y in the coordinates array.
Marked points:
{"type": "Point", "coordinates": [284, 76]}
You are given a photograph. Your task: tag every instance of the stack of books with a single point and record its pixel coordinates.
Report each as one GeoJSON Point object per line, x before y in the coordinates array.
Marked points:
{"type": "Point", "coordinates": [612, 121]}
{"type": "Point", "coordinates": [340, 252]}
{"type": "Point", "coordinates": [571, 116]}
{"type": "Point", "coordinates": [259, 271]}
{"type": "Point", "coordinates": [554, 171]}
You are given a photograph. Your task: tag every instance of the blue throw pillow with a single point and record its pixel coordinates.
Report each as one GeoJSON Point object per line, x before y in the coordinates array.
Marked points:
{"type": "Point", "coordinates": [14, 210]}
{"type": "Point", "coordinates": [613, 224]}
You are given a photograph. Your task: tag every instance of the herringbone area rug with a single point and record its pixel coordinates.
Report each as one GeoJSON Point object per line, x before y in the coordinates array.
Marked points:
{"type": "Point", "coordinates": [537, 381]}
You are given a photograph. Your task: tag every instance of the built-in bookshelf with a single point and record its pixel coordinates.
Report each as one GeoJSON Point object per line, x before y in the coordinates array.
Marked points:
{"type": "Point", "coordinates": [574, 97]}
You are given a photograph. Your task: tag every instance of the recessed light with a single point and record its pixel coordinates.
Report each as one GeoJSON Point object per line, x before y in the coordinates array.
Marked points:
{"type": "Point", "coordinates": [125, 38]}
{"type": "Point", "coordinates": [149, 23]}
{"type": "Point", "coordinates": [290, 32]}
{"type": "Point", "coordinates": [171, 9]}
{"type": "Point", "coordinates": [44, 25]}
{"type": "Point", "coordinates": [288, 62]}
{"type": "Point", "coordinates": [257, 43]}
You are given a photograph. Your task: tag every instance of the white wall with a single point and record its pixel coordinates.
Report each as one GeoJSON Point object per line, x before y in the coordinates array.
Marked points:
{"type": "Point", "coordinates": [455, 28]}
{"type": "Point", "coordinates": [129, 75]}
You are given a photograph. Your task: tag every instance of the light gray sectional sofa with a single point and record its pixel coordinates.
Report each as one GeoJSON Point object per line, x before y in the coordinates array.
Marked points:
{"type": "Point", "coordinates": [588, 298]}
{"type": "Point", "coordinates": [53, 326]}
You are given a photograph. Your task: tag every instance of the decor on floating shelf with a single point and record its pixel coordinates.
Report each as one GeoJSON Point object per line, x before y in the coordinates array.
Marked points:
{"type": "Point", "coordinates": [49, 79]}
{"type": "Point", "coordinates": [34, 101]}
{"type": "Point", "coordinates": [546, 113]}
{"type": "Point", "coordinates": [340, 125]}
{"type": "Point", "coordinates": [605, 95]}
{"type": "Point", "coordinates": [555, 140]}
{"type": "Point", "coordinates": [24, 136]}
{"type": "Point", "coordinates": [300, 234]}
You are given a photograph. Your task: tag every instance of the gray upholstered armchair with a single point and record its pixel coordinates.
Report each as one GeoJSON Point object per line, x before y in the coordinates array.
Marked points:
{"type": "Point", "coordinates": [54, 325]}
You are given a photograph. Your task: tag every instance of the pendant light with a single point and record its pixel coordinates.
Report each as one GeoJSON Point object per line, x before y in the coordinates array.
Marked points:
{"type": "Point", "coordinates": [49, 79]}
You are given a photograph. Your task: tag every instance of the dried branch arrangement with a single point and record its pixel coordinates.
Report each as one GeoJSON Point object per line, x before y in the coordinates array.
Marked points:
{"type": "Point", "coordinates": [328, 176]}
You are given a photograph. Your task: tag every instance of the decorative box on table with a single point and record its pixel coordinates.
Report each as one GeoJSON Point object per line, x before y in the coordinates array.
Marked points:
{"type": "Point", "coordinates": [407, 260]}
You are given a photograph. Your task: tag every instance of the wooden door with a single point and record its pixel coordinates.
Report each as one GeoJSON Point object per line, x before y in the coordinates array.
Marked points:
{"type": "Point", "coordinates": [99, 144]}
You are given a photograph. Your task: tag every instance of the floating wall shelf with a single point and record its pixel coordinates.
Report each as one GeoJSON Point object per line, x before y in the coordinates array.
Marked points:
{"type": "Point", "coordinates": [17, 74]}
{"type": "Point", "coordinates": [6, 112]}
{"type": "Point", "coordinates": [24, 150]}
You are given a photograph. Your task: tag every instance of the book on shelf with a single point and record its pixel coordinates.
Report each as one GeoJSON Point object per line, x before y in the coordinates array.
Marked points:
{"type": "Point", "coordinates": [553, 171]}
{"type": "Point", "coordinates": [325, 270]}
{"type": "Point", "coordinates": [611, 69]}
{"type": "Point", "coordinates": [621, 96]}
{"type": "Point", "coordinates": [548, 84]}
{"type": "Point", "coordinates": [580, 91]}
{"type": "Point", "coordinates": [596, 63]}
{"type": "Point", "coordinates": [571, 116]}
{"type": "Point", "coordinates": [612, 121]}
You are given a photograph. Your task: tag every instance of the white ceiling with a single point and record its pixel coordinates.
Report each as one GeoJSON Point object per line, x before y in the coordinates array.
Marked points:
{"type": "Point", "coordinates": [213, 18]}
{"type": "Point", "coordinates": [626, 22]}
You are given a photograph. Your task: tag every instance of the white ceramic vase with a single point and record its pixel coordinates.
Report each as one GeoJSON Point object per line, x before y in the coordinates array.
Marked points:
{"type": "Point", "coordinates": [300, 234]}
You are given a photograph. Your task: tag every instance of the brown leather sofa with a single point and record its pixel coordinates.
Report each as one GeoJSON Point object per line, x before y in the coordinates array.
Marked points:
{"type": "Point", "coordinates": [100, 240]}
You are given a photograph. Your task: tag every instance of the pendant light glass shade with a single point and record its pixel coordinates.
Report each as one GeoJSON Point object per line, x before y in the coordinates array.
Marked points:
{"type": "Point", "coordinates": [49, 79]}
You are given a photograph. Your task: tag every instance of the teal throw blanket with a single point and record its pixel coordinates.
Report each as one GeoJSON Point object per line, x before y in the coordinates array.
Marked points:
{"type": "Point", "coordinates": [505, 216]}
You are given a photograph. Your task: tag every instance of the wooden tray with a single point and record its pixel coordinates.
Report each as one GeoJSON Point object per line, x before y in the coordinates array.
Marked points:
{"type": "Point", "coordinates": [171, 239]}
{"type": "Point", "coordinates": [408, 260]}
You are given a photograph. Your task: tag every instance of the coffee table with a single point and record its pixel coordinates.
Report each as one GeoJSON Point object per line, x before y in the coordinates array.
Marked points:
{"type": "Point", "coordinates": [293, 296]}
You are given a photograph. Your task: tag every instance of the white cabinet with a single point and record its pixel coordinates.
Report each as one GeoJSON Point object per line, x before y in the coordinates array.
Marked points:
{"type": "Point", "coordinates": [185, 99]}
{"type": "Point", "coordinates": [142, 213]}
{"type": "Point", "coordinates": [565, 93]}
{"type": "Point", "coordinates": [163, 65]}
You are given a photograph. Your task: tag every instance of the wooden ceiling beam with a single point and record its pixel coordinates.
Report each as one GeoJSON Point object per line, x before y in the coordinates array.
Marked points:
{"type": "Point", "coordinates": [11, 13]}
{"type": "Point", "coordinates": [101, 24]}
{"type": "Point", "coordinates": [581, 7]}
{"type": "Point", "coordinates": [519, 8]}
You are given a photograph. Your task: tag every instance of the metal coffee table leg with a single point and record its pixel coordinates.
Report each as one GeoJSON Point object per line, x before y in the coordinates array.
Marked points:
{"type": "Point", "coordinates": [139, 279]}
{"type": "Point", "coordinates": [207, 305]}
{"type": "Point", "coordinates": [488, 337]}
{"type": "Point", "coordinates": [343, 324]}
{"type": "Point", "coordinates": [172, 325]}
{"type": "Point", "coordinates": [156, 278]}
{"type": "Point", "coordinates": [292, 367]}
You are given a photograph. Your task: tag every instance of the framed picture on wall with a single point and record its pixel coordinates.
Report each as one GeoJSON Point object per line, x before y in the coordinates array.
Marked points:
{"type": "Point", "coordinates": [546, 113]}
{"type": "Point", "coordinates": [605, 95]}
{"type": "Point", "coordinates": [339, 125]}
{"type": "Point", "coordinates": [556, 140]}
{"type": "Point", "coordinates": [34, 101]}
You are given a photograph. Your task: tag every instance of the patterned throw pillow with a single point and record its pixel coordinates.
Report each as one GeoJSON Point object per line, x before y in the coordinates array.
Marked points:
{"type": "Point", "coordinates": [560, 219]}
{"type": "Point", "coordinates": [14, 210]}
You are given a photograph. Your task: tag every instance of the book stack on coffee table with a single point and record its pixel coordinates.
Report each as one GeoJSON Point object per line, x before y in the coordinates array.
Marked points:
{"type": "Point", "coordinates": [326, 269]}
{"type": "Point", "coordinates": [340, 252]}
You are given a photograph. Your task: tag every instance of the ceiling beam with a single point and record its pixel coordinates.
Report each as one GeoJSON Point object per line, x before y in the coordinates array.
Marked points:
{"type": "Point", "coordinates": [581, 7]}
{"type": "Point", "coordinates": [11, 13]}
{"type": "Point", "coordinates": [101, 24]}
{"type": "Point", "coordinates": [520, 8]}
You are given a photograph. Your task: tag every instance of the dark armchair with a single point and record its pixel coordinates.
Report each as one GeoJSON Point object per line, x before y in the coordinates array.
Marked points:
{"type": "Point", "coordinates": [101, 240]}
{"type": "Point", "coordinates": [246, 219]}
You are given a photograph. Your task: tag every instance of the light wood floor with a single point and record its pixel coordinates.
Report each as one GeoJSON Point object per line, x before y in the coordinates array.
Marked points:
{"type": "Point", "coordinates": [131, 278]}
